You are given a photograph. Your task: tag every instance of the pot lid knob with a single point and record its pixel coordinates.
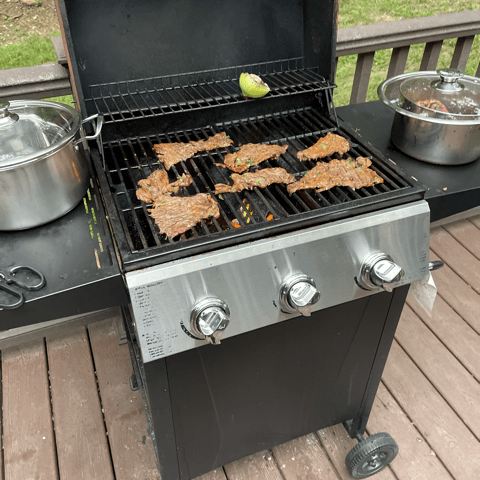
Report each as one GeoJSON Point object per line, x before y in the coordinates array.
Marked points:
{"type": "Point", "coordinates": [6, 117]}
{"type": "Point", "coordinates": [449, 80]}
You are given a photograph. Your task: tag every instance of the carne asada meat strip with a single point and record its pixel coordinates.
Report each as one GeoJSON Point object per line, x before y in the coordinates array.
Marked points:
{"type": "Point", "coordinates": [171, 153]}
{"type": "Point", "coordinates": [433, 104]}
{"type": "Point", "coordinates": [343, 173]}
{"type": "Point", "coordinates": [252, 154]}
{"type": "Point", "coordinates": [328, 145]}
{"type": "Point", "coordinates": [158, 183]}
{"type": "Point", "coordinates": [176, 215]}
{"type": "Point", "coordinates": [262, 178]}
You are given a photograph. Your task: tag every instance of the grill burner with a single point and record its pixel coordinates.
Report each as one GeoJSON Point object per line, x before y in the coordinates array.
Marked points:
{"type": "Point", "coordinates": [130, 160]}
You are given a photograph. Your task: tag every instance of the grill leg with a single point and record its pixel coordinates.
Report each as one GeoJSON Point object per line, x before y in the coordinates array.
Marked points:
{"type": "Point", "coordinates": [357, 425]}
{"type": "Point", "coordinates": [356, 428]}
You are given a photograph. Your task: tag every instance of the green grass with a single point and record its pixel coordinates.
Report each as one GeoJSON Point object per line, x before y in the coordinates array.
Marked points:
{"type": "Point", "coordinates": [32, 50]}
{"type": "Point", "coordinates": [368, 12]}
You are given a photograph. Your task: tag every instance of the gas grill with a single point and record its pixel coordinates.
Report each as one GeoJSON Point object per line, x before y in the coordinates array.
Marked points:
{"type": "Point", "coordinates": [275, 319]}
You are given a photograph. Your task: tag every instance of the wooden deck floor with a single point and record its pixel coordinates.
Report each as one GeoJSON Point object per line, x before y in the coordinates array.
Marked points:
{"type": "Point", "coordinates": [68, 411]}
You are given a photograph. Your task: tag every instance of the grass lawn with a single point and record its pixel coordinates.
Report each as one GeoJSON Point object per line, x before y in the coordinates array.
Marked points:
{"type": "Point", "coordinates": [32, 50]}
{"type": "Point", "coordinates": [28, 49]}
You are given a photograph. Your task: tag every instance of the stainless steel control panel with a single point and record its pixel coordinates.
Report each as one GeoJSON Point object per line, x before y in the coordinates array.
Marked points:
{"type": "Point", "coordinates": [250, 278]}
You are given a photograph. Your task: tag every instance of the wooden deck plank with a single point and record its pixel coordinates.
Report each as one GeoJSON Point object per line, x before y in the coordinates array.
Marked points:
{"type": "Point", "coordinates": [428, 402]}
{"type": "Point", "coordinates": [337, 443]}
{"type": "Point", "coordinates": [82, 447]}
{"type": "Point", "coordinates": [416, 459]}
{"type": "Point", "coordinates": [441, 368]}
{"type": "Point", "coordinates": [448, 436]}
{"type": "Point", "coordinates": [304, 459]}
{"type": "Point", "coordinates": [475, 220]}
{"type": "Point", "coordinates": [456, 256]}
{"type": "Point", "coordinates": [130, 442]}
{"type": "Point", "coordinates": [456, 334]}
{"type": "Point", "coordinates": [458, 294]}
{"type": "Point", "coordinates": [28, 438]}
{"type": "Point", "coordinates": [261, 466]}
{"type": "Point", "coordinates": [467, 234]}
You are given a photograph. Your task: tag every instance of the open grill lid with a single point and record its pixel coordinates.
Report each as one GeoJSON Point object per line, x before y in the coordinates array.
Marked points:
{"type": "Point", "coordinates": [144, 39]}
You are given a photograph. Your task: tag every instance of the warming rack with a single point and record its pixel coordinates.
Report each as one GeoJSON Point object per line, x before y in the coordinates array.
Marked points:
{"type": "Point", "coordinates": [188, 92]}
{"type": "Point", "coordinates": [131, 159]}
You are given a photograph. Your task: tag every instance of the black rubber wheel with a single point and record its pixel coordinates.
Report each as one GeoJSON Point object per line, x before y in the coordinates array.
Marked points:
{"type": "Point", "coordinates": [371, 455]}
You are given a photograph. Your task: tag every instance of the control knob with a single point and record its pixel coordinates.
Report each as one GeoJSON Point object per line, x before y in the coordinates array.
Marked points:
{"type": "Point", "coordinates": [209, 319]}
{"type": "Point", "coordinates": [299, 294]}
{"type": "Point", "coordinates": [379, 270]}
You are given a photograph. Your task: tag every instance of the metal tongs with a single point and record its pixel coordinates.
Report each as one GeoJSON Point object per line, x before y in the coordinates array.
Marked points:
{"type": "Point", "coordinates": [9, 276]}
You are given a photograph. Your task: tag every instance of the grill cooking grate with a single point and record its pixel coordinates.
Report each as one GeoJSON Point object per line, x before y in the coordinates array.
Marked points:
{"type": "Point", "coordinates": [130, 160]}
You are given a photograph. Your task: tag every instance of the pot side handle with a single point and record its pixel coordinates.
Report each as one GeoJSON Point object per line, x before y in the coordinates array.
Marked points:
{"type": "Point", "coordinates": [98, 128]}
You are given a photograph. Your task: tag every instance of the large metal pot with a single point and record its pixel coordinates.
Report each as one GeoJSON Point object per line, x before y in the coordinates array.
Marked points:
{"type": "Point", "coordinates": [437, 115]}
{"type": "Point", "coordinates": [43, 172]}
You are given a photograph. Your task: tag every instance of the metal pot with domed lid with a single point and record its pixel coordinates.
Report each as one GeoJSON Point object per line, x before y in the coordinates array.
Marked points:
{"type": "Point", "coordinates": [43, 173]}
{"type": "Point", "coordinates": [437, 115]}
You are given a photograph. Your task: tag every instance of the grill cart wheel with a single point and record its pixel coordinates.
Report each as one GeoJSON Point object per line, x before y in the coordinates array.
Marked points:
{"type": "Point", "coordinates": [371, 455]}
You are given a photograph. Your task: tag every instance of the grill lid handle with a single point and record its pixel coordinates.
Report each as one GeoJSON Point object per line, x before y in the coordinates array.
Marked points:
{"type": "Point", "coordinates": [209, 319]}
{"type": "Point", "coordinates": [379, 270]}
{"type": "Point", "coordinates": [299, 294]}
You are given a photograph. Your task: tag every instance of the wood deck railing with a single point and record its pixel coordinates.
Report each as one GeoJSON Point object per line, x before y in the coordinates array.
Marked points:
{"type": "Point", "coordinates": [364, 41]}
{"type": "Point", "coordinates": [44, 81]}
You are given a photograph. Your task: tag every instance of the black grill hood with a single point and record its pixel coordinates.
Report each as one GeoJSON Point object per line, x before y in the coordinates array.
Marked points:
{"type": "Point", "coordinates": [115, 41]}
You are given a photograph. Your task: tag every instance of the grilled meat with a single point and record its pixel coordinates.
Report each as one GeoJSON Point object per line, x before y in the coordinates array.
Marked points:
{"type": "Point", "coordinates": [328, 145]}
{"type": "Point", "coordinates": [343, 173]}
{"type": "Point", "coordinates": [217, 141]}
{"type": "Point", "coordinates": [171, 153]}
{"type": "Point", "coordinates": [433, 104]}
{"type": "Point", "coordinates": [176, 215]}
{"type": "Point", "coordinates": [252, 154]}
{"type": "Point", "coordinates": [260, 179]}
{"type": "Point", "coordinates": [158, 184]}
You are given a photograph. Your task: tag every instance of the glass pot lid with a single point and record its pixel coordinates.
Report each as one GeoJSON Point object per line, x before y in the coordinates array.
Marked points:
{"type": "Point", "coordinates": [31, 130]}
{"type": "Point", "coordinates": [444, 95]}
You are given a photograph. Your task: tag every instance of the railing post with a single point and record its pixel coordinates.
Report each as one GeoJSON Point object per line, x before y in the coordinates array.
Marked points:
{"type": "Point", "coordinates": [431, 54]}
{"type": "Point", "coordinates": [361, 80]}
{"type": "Point", "coordinates": [398, 61]}
{"type": "Point", "coordinates": [462, 51]}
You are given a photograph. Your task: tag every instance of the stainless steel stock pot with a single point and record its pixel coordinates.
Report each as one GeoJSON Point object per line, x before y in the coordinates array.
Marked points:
{"type": "Point", "coordinates": [43, 171]}
{"type": "Point", "coordinates": [437, 115]}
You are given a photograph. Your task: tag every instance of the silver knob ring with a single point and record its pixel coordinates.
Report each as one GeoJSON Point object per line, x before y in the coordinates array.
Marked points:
{"type": "Point", "coordinates": [286, 289]}
{"type": "Point", "coordinates": [208, 303]}
{"type": "Point", "coordinates": [367, 273]}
